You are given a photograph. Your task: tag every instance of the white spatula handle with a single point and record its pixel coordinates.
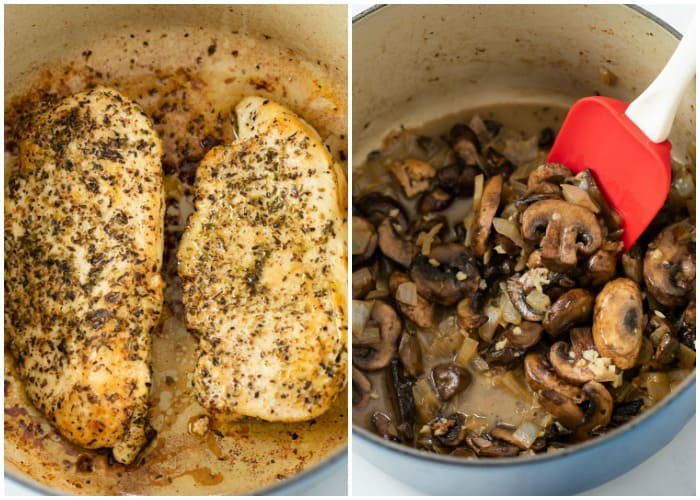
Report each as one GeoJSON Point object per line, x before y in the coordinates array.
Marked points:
{"type": "Point", "coordinates": [654, 110]}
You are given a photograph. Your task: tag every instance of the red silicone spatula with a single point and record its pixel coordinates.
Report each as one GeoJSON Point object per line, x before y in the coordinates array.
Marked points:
{"type": "Point", "coordinates": [626, 146]}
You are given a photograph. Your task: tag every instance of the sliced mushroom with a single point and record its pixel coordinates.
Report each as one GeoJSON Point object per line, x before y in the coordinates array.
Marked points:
{"type": "Point", "coordinates": [669, 264]}
{"type": "Point", "coordinates": [524, 335]}
{"type": "Point", "coordinates": [393, 246]}
{"type": "Point", "coordinates": [500, 353]}
{"type": "Point", "coordinates": [422, 312]}
{"type": "Point", "coordinates": [564, 409]}
{"type": "Point", "coordinates": [376, 357]}
{"type": "Point", "coordinates": [364, 241]}
{"type": "Point", "coordinates": [492, 449]}
{"type": "Point", "coordinates": [446, 275]}
{"type": "Point", "coordinates": [568, 230]}
{"type": "Point", "coordinates": [632, 264]}
{"type": "Point", "coordinates": [572, 308]}
{"type": "Point", "coordinates": [449, 380]}
{"type": "Point", "coordinates": [458, 179]}
{"type": "Point", "coordinates": [410, 354]}
{"type": "Point", "coordinates": [601, 267]}
{"type": "Point", "coordinates": [662, 336]}
{"type": "Point", "coordinates": [435, 200]}
{"type": "Point", "coordinates": [384, 426]}
{"type": "Point", "coordinates": [362, 282]}
{"type": "Point", "coordinates": [569, 366]}
{"type": "Point", "coordinates": [467, 315]}
{"type": "Point", "coordinates": [377, 206]}
{"type": "Point", "coordinates": [451, 430]}
{"type": "Point", "coordinates": [490, 199]}
{"type": "Point", "coordinates": [540, 377]}
{"type": "Point", "coordinates": [401, 390]}
{"type": "Point", "coordinates": [496, 163]}
{"type": "Point", "coordinates": [519, 290]}
{"type": "Point", "coordinates": [599, 411]}
{"type": "Point", "coordinates": [686, 335]}
{"type": "Point", "coordinates": [581, 340]}
{"type": "Point", "coordinates": [465, 143]}
{"type": "Point", "coordinates": [539, 192]}
{"type": "Point", "coordinates": [617, 322]}
{"type": "Point", "coordinates": [361, 389]}
{"type": "Point", "coordinates": [553, 173]}
{"type": "Point", "coordinates": [413, 175]}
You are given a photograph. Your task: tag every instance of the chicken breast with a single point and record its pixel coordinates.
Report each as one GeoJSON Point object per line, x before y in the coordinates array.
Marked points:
{"type": "Point", "coordinates": [264, 268]}
{"type": "Point", "coordinates": [83, 253]}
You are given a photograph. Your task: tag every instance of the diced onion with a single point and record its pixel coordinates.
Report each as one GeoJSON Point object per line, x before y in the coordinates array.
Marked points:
{"type": "Point", "coordinates": [526, 433]}
{"type": "Point", "coordinates": [427, 403]}
{"type": "Point", "coordinates": [577, 196]}
{"type": "Point", "coordinates": [406, 293]}
{"type": "Point", "coordinates": [487, 330]}
{"type": "Point", "coordinates": [479, 364]}
{"type": "Point", "coordinates": [539, 301]}
{"type": "Point", "coordinates": [513, 384]}
{"type": "Point", "coordinates": [686, 357]}
{"type": "Point", "coordinates": [466, 352]}
{"type": "Point", "coordinates": [521, 150]}
{"type": "Point", "coordinates": [361, 311]}
{"type": "Point", "coordinates": [508, 229]}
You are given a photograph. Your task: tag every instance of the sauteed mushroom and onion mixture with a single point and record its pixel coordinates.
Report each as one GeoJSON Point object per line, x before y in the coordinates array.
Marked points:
{"type": "Point", "coordinates": [495, 311]}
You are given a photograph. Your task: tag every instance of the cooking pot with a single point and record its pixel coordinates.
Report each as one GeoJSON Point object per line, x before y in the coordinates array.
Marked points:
{"type": "Point", "coordinates": [413, 64]}
{"type": "Point", "coordinates": [187, 65]}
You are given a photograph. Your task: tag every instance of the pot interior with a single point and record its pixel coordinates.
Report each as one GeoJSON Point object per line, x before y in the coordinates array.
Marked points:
{"type": "Point", "coordinates": [187, 66]}
{"type": "Point", "coordinates": [429, 67]}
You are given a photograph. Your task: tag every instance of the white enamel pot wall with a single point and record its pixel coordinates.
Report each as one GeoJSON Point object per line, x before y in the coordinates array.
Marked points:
{"type": "Point", "coordinates": [413, 64]}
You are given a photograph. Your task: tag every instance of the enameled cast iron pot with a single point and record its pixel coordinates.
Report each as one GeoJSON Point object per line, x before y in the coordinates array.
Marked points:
{"type": "Point", "coordinates": [413, 64]}
{"type": "Point", "coordinates": [216, 54]}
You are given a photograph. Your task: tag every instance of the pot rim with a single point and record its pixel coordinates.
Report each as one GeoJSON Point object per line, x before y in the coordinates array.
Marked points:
{"type": "Point", "coordinates": [688, 385]}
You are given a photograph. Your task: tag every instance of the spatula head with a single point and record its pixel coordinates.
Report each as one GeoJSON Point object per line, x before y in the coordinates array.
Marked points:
{"type": "Point", "coordinates": [633, 173]}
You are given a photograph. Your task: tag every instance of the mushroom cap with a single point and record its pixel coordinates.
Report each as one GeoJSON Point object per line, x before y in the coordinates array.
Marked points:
{"type": "Point", "coordinates": [435, 200]}
{"type": "Point", "coordinates": [364, 241]}
{"type": "Point", "coordinates": [549, 172]}
{"type": "Point", "coordinates": [443, 283]}
{"type": "Point", "coordinates": [568, 230]}
{"type": "Point", "coordinates": [575, 370]}
{"type": "Point", "coordinates": [617, 322]}
{"type": "Point", "coordinates": [393, 245]}
{"type": "Point", "coordinates": [449, 380]}
{"type": "Point", "coordinates": [599, 411]}
{"type": "Point", "coordinates": [376, 357]}
{"type": "Point", "coordinates": [669, 264]}
{"type": "Point", "coordinates": [378, 206]}
{"type": "Point", "coordinates": [573, 307]}
{"type": "Point", "coordinates": [361, 388]}
{"type": "Point", "coordinates": [540, 377]}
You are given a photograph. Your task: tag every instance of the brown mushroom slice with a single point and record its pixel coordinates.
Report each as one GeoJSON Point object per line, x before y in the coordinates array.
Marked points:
{"type": "Point", "coordinates": [449, 380]}
{"type": "Point", "coordinates": [540, 377]}
{"type": "Point", "coordinates": [564, 409]}
{"type": "Point", "coordinates": [458, 179]}
{"type": "Point", "coordinates": [467, 315]}
{"type": "Point", "coordinates": [413, 175]}
{"type": "Point", "coordinates": [571, 308]}
{"type": "Point", "coordinates": [570, 367]}
{"type": "Point", "coordinates": [500, 353]}
{"type": "Point", "coordinates": [364, 241]}
{"type": "Point", "coordinates": [421, 311]}
{"type": "Point", "coordinates": [376, 357]}
{"type": "Point", "coordinates": [465, 143]}
{"type": "Point", "coordinates": [362, 282]}
{"type": "Point", "coordinates": [490, 199]}
{"type": "Point", "coordinates": [451, 430]}
{"type": "Point", "coordinates": [599, 411]}
{"type": "Point", "coordinates": [401, 390]}
{"type": "Point", "coordinates": [568, 229]}
{"type": "Point", "coordinates": [376, 207]}
{"type": "Point", "coordinates": [632, 264]}
{"type": "Point", "coordinates": [524, 335]}
{"type": "Point", "coordinates": [554, 173]}
{"type": "Point", "coordinates": [384, 426]}
{"type": "Point", "coordinates": [686, 335]}
{"type": "Point", "coordinates": [617, 322]}
{"type": "Point", "coordinates": [410, 354]}
{"type": "Point", "coordinates": [518, 294]}
{"type": "Point", "coordinates": [435, 200]}
{"type": "Point", "coordinates": [581, 340]}
{"type": "Point", "coordinates": [669, 264]}
{"type": "Point", "coordinates": [601, 267]}
{"type": "Point", "coordinates": [497, 163]}
{"type": "Point", "coordinates": [361, 389]}
{"type": "Point", "coordinates": [539, 192]}
{"type": "Point", "coordinates": [393, 245]}
{"type": "Point", "coordinates": [492, 449]}
{"type": "Point", "coordinates": [446, 275]}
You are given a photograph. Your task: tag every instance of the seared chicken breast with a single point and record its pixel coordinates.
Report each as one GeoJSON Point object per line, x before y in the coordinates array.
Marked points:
{"type": "Point", "coordinates": [83, 252]}
{"type": "Point", "coordinates": [264, 269]}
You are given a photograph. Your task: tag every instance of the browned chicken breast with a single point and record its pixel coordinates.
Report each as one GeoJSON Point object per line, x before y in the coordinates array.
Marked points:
{"type": "Point", "coordinates": [83, 252]}
{"type": "Point", "coordinates": [263, 262]}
